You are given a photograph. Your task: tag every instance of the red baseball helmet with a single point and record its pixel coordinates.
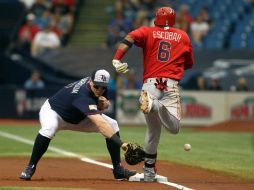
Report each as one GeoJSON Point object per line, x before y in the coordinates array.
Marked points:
{"type": "Point", "coordinates": [165, 16]}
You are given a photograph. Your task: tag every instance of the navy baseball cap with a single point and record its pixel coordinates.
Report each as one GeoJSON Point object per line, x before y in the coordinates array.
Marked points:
{"type": "Point", "coordinates": [100, 77]}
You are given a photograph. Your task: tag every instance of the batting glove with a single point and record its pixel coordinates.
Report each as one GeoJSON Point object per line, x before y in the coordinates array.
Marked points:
{"type": "Point", "coordinates": [119, 66]}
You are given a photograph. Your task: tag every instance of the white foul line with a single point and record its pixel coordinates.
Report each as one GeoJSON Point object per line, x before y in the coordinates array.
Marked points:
{"type": "Point", "coordinates": [54, 149]}
{"type": "Point", "coordinates": [82, 158]}
{"type": "Point", "coordinates": [176, 185]}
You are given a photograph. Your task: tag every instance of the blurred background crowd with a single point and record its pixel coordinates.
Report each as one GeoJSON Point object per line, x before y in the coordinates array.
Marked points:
{"type": "Point", "coordinates": [44, 40]}
{"type": "Point", "coordinates": [47, 25]}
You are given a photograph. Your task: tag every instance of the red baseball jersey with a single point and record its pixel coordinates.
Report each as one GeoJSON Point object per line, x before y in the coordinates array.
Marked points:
{"type": "Point", "coordinates": [167, 52]}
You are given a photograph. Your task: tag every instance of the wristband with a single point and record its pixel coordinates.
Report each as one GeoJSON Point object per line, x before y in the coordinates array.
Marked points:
{"type": "Point", "coordinates": [128, 43]}
{"type": "Point", "coordinates": [119, 54]}
{"type": "Point", "coordinates": [116, 139]}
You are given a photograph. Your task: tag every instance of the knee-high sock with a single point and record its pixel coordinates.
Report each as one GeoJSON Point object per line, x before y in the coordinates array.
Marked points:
{"type": "Point", "coordinates": [41, 144]}
{"type": "Point", "coordinates": [150, 160]}
{"type": "Point", "coordinates": [114, 151]}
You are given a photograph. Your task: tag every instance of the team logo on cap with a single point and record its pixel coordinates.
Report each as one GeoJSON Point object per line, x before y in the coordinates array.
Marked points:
{"type": "Point", "coordinates": [103, 78]}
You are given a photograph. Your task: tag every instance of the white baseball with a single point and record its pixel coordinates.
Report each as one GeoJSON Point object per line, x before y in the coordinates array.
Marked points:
{"type": "Point", "coordinates": [187, 147]}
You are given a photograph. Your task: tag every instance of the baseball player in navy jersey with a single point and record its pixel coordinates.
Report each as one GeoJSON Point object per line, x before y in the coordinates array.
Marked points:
{"type": "Point", "coordinates": [167, 52]}
{"type": "Point", "coordinates": [78, 107]}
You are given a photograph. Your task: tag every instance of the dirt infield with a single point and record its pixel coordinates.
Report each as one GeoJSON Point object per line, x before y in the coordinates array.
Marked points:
{"type": "Point", "coordinates": [230, 126]}
{"type": "Point", "coordinates": [55, 172]}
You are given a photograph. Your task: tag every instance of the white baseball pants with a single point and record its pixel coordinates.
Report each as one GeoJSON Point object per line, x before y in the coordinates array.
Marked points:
{"type": "Point", "coordinates": [51, 122]}
{"type": "Point", "coordinates": [166, 112]}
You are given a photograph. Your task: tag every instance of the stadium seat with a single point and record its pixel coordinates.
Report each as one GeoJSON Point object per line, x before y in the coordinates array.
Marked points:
{"type": "Point", "coordinates": [250, 41]}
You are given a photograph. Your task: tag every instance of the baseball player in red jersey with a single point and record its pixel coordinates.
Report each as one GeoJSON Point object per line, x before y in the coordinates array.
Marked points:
{"type": "Point", "coordinates": [167, 52]}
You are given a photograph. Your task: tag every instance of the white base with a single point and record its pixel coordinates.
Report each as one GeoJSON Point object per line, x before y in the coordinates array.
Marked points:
{"type": "Point", "coordinates": [140, 177]}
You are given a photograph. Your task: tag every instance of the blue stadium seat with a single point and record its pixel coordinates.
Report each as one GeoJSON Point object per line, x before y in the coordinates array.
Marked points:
{"type": "Point", "coordinates": [213, 42]}
{"type": "Point", "coordinates": [250, 40]}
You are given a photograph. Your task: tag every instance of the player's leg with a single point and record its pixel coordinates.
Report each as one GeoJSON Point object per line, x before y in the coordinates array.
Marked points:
{"type": "Point", "coordinates": [152, 139]}
{"type": "Point", "coordinates": [150, 96]}
{"type": "Point", "coordinates": [169, 109]}
{"type": "Point", "coordinates": [161, 107]}
{"type": "Point", "coordinates": [49, 125]}
{"type": "Point", "coordinates": [120, 173]}
{"type": "Point", "coordinates": [112, 147]}
{"type": "Point", "coordinates": [165, 102]}
{"type": "Point", "coordinates": [169, 121]}
{"type": "Point", "coordinates": [86, 125]}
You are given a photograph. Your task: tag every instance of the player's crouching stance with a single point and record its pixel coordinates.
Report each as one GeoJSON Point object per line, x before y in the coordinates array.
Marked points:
{"type": "Point", "coordinates": [78, 107]}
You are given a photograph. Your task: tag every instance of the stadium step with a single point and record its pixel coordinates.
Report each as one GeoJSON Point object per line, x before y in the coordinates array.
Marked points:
{"type": "Point", "coordinates": [91, 26]}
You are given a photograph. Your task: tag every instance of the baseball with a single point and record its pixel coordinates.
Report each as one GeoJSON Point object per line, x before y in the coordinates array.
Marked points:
{"type": "Point", "coordinates": [187, 147]}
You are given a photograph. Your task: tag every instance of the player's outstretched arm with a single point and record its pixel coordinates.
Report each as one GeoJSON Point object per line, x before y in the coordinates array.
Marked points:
{"type": "Point", "coordinates": [106, 130]}
{"type": "Point", "coordinates": [103, 126]}
{"type": "Point", "coordinates": [123, 47]}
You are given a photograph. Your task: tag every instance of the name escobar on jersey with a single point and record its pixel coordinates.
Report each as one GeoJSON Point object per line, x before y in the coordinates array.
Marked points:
{"type": "Point", "coordinates": [167, 35]}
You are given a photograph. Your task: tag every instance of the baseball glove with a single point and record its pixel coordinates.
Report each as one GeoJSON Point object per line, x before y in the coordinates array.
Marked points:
{"type": "Point", "coordinates": [134, 154]}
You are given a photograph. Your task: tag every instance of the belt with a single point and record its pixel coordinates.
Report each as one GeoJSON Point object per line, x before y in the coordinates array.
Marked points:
{"type": "Point", "coordinates": [169, 81]}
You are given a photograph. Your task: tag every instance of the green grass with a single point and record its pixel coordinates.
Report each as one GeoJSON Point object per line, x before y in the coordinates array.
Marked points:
{"type": "Point", "coordinates": [230, 153]}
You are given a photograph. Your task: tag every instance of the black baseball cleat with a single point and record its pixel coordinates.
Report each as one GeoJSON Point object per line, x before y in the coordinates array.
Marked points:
{"type": "Point", "coordinates": [120, 173]}
{"type": "Point", "coordinates": [28, 172]}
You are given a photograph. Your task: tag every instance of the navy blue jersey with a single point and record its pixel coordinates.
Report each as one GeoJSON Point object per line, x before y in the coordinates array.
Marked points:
{"type": "Point", "coordinates": [75, 101]}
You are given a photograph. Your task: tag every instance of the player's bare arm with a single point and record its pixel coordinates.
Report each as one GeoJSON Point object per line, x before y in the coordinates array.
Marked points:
{"type": "Point", "coordinates": [126, 44]}
{"type": "Point", "coordinates": [102, 125]}
{"type": "Point", "coordinates": [106, 130]}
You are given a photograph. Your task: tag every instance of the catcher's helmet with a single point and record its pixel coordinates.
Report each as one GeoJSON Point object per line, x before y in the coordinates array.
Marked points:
{"type": "Point", "coordinates": [165, 16]}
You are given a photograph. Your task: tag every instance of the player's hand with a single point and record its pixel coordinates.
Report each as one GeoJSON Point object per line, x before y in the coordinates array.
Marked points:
{"type": "Point", "coordinates": [103, 103]}
{"type": "Point", "coordinates": [119, 66]}
{"type": "Point", "coordinates": [124, 146]}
